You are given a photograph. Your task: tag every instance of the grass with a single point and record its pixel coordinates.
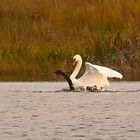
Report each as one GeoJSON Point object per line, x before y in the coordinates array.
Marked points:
{"type": "Point", "coordinates": [39, 37]}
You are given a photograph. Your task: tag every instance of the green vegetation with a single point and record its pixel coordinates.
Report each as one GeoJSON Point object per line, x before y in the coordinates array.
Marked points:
{"type": "Point", "coordinates": [38, 37]}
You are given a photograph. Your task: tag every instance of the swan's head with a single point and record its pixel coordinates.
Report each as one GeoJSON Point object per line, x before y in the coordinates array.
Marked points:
{"type": "Point", "coordinates": [76, 59]}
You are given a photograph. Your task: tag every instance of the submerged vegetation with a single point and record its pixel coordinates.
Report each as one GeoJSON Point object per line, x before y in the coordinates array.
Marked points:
{"type": "Point", "coordinates": [38, 37]}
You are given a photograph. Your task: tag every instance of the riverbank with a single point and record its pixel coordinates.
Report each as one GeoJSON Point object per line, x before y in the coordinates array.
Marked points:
{"type": "Point", "coordinates": [39, 37]}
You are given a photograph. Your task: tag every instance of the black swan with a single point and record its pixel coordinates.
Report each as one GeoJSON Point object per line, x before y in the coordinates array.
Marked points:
{"type": "Point", "coordinates": [58, 73]}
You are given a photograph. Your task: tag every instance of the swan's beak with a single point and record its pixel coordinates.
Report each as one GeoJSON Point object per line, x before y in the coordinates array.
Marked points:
{"type": "Point", "coordinates": [74, 62]}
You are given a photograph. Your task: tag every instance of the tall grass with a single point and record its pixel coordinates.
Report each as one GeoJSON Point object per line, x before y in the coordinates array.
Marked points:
{"type": "Point", "coordinates": [37, 37]}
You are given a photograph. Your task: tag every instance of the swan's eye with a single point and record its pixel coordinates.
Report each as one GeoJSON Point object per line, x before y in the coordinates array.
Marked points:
{"type": "Point", "coordinates": [74, 61]}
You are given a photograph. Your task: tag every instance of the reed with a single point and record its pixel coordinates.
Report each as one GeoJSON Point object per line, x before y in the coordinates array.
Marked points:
{"type": "Point", "coordinates": [39, 37]}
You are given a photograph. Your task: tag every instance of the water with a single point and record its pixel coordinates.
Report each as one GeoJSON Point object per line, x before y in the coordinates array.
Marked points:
{"type": "Point", "coordinates": [41, 111]}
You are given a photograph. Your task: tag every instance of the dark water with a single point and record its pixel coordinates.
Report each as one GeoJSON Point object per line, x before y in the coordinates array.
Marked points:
{"type": "Point", "coordinates": [41, 111]}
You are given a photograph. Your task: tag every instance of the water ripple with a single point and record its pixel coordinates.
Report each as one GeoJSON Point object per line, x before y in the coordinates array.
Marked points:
{"type": "Point", "coordinates": [35, 112]}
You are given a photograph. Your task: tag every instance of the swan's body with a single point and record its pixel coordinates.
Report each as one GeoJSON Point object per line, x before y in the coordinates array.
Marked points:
{"type": "Point", "coordinates": [71, 86]}
{"type": "Point", "coordinates": [58, 72]}
{"type": "Point", "coordinates": [94, 75]}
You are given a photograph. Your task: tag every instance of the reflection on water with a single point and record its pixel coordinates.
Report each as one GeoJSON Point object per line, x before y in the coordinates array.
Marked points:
{"type": "Point", "coordinates": [28, 76]}
{"type": "Point", "coordinates": [34, 110]}
{"type": "Point", "coordinates": [24, 77]}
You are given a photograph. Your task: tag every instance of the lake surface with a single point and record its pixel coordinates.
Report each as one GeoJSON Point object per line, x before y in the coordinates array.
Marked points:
{"type": "Point", "coordinates": [42, 111]}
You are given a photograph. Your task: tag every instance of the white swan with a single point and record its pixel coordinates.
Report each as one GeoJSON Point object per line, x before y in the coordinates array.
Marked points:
{"type": "Point", "coordinates": [94, 75]}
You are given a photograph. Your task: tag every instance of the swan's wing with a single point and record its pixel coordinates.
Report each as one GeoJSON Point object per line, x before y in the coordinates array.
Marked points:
{"type": "Point", "coordinates": [90, 69]}
{"type": "Point", "coordinates": [104, 70]}
{"type": "Point", "coordinates": [93, 76]}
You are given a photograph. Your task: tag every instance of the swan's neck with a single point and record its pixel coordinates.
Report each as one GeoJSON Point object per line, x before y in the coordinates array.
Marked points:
{"type": "Point", "coordinates": [76, 70]}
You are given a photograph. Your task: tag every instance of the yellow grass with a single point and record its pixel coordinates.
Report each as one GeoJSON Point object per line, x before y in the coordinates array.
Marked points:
{"type": "Point", "coordinates": [41, 36]}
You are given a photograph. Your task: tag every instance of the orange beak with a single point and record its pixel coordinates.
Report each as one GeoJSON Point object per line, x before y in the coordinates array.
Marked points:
{"type": "Point", "coordinates": [74, 62]}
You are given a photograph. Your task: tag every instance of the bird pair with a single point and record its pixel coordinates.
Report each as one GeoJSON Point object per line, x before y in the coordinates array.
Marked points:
{"type": "Point", "coordinates": [94, 78]}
